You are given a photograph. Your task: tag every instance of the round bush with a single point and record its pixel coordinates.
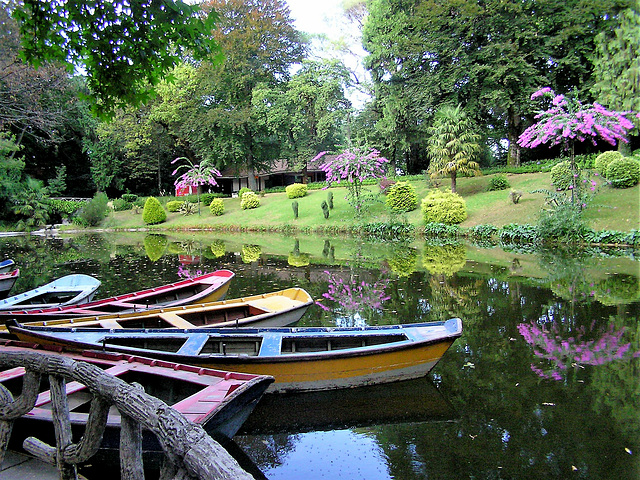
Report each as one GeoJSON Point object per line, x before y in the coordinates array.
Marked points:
{"type": "Point", "coordinates": [153, 212]}
{"type": "Point", "coordinates": [249, 200]}
{"type": "Point", "coordinates": [218, 249]}
{"type": "Point", "coordinates": [443, 207]}
{"type": "Point", "coordinates": [604, 159]}
{"type": "Point", "coordinates": [498, 182]}
{"type": "Point", "coordinates": [174, 205]}
{"type": "Point", "coordinates": [244, 190]}
{"type": "Point", "coordinates": [401, 197]}
{"type": "Point", "coordinates": [251, 253]}
{"type": "Point", "coordinates": [216, 207]}
{"type": "Point", "coordinates": [623, 172]}
{"type": "Point", "coordinates": [561, 175]}
{"type": "Point", "coordinates": [444, 259]}
{"type": "Point", "coordinates": [296, 190]}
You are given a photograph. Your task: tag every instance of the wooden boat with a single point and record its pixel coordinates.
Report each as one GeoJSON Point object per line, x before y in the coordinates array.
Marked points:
{"type": "Point", "coordinates": [275, 309]}
{"type": "Point", "coordinates": [217, 400]}
{"type": "Point", "coordinates": [7, 265]}
{"type": "Point", "coordinates": [312, 358]}
{"type": "Point", "coordinates": [7, 281]}
{"type": "Point", "coordinates": [67, 290]}
{"type": "Point", "coordinates": [204, 288]}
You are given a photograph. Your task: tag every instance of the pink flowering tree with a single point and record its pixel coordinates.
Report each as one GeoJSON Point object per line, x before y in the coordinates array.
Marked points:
{"type": "Point", "coordinates": [566, 121]}
{"type": "Point", "coordinates": [557, 350]}
{"type": "Point", "coordinates": [352, 167]}
{"type": "Point", "coordinates": [195, 176]}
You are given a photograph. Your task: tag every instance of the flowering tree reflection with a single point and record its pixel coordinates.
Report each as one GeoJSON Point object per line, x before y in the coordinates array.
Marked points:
{"type": "Point", "coordinates": [353, 298]}
{"type": "Point", "coordinates": [557, 352]}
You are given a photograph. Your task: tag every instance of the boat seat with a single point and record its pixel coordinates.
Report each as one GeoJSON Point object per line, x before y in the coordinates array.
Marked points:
{"type": "Point", "coordinates": [175, 320]}
{"type": "Point", "coordinates": [108, 323]}
{"type": "Point", "coordinates": [273, 304]}
{"type": "Point", "coordinates": [270, 345]}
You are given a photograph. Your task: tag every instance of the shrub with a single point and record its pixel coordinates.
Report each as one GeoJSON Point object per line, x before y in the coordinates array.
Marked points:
{"type": "Point", "coordinates": [188, 208]}
{"type": "Point", "coordinates": [251, 253]}
{"type": "Point", "coordinates": [514, 232]}
{"type": "Point", "coordinates": [384, 184]}
{"type": "Point", "coordinates": [623, 172]}
{"type": "Point", "coordinates": [401, 197]}
{"type": "Point", "coordinates": [563, 222]}
{"type": "Point", "coordinates": [218, 249]}
{"type": "Point", "coordinates": [216, 207]}
{"type": "Point", "coordinates": [330, 200]}
{"type": "Point", "coordinates": [94, 211]}
{"type": "Point", "coordinates": [562, 176]}
{"type": "Point", "coordinates": [483, 231]}
{"type": "Point", "coordinates": [120, 205]}
{"type": "Point", "coordinates": [129, 197]}
{"type": "Point", "coordinates": [440, 230]}
{"type": "Point", "coordinates": [498, 182]}
{"type": "Point", "coordinates": [296, 190]}
{"type": "Point", "coordinates": [174, 205]}
{"type": "Point", "coordinates": [244, 190]}
{"type": "Point", "coordinates": [604, 159]}
{"type": "Point", "coordinates": [444, 259]}
{"type": "Point", "coordinates": [443, 207]}
{"type": "Point", "coordinates": [207, 198]}
{"type": "Point", "coordinates": [153, 212]}
{"type": "Point", "coordinates": [65, 208]}
{"type": "Point", "coordinates": [155, 246]}
{"type": "Point", "coordinates": [325, 209]}
{"type": "Point", "coordinates": [515, 196]}
{"type": "Point", "coordinates": [249, 200]}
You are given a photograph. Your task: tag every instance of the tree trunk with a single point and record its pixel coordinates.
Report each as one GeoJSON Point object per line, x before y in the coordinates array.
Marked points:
{"type": "Point", "coordinates": [453, 182]}
{"type": "Point", "coordinates": [513, 132]}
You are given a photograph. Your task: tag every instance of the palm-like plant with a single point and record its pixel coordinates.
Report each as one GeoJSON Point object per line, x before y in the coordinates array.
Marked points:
{"type": "Point", "coordinates": [31, 204]}
{"type": "Point", "coordinates": [452, 144]}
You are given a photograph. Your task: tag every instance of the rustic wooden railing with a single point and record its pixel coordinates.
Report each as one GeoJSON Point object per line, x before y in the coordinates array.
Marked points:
{"type": "Point", "coordinates": [190, 453]}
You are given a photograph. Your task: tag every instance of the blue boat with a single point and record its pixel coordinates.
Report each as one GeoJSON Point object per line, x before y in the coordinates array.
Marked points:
{"type": "Point", "coordinates": [68, 290]}
{"type": "Point", "coordinates": [7, 265]}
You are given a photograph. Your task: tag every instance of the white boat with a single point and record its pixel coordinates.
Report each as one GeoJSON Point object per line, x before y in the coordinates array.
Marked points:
{"type": "Point", "coordinates": [67, 290]}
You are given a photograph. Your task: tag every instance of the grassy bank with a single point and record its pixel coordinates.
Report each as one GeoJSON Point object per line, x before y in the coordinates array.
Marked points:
{"type": "Point", "coordinates": [611, 209]}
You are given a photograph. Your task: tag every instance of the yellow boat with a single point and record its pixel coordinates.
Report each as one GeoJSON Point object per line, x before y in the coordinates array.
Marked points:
{"type": "Point", "coordinates": [300, 359]}
{"type": "Point", "coordinates": [280, 308]}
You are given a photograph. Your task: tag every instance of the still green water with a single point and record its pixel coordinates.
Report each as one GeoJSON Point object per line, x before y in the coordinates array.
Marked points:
{"type": "Point", "coordinates": [543, 384]}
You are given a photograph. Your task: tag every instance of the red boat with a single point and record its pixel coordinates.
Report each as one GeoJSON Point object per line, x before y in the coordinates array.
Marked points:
{"type": "Point", "coordinates": [204, 288]}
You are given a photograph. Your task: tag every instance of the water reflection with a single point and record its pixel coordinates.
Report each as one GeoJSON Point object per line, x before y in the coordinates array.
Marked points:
{"type": "Point", "coordinates": [510, 422]}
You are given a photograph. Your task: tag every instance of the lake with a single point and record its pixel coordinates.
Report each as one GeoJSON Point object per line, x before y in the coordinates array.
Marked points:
{"type": "Point", "coordinates": [543, 384]}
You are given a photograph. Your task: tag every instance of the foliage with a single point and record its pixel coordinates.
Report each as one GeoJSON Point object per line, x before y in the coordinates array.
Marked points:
{"type": "Point", "coordinates": [57, 185]}
{"type": "Point", "coordinates": [452, 145]}
{"type": "Point", "coordinates": [208, 197]}
{"type": "Point", "coordinates": [135, 45]}
{"type": "Point", "coordinates": [514, 232]}
{"type": "Point", "coordinates": [153, 212]}
{"type": "Point", "coordinates": [249, 200]}
{"type": "Point", "coordinates": [388, 230]}
{"type": "Point", "coordinates": [403, 260]}
{"type": "Point", "coordinates": [195, 176]}
{"type": "Point", "coordinates": [216, 207]}
{"type": "Point", "coordinates": [66, 208]}
{"type": "Point", "coordinates": [444, 259]}
{"type": "Point", "coordinates": [384, 184]}
{"type": "Point", "coordinates": [623, 173]}
{"type": "Point", "coordinates": [401, 197]}
{"type": "Point", "coordinates": [353, 296]}
{"type": "Point", "coordinates": [325, 209]}
{"type": "Point", "coordinates": [94, 211]}
{"type": "Point", "coordinates": [482, 231]}
{"type": "Point", "coordinates": [31, 205]}
{"type": "Point", "coordinates": [188, 208]}
{"type": "Point", "coordinates": [498, 182]}
{"type": "Point", "coordinates": [443, 207]}
{"type": "Point", "coordinates": [562, 176]}
{"type": "Point", "coordinates": [218, 248]}
{"type": "Point", "coordinates": [11, 169]}
{"type": "Point", "coordinates": [440, 230]}
{"type": "Point", "coordinates": [174, 205]}
{"type": "Point", "coordinates": [515, 196]}
{"type": "Point", "coordinates": [251, 253]}
{"type": "Point", "coordinates": [120, 204]}
{"type": "Point", "coordinates": [155, 246]}
{"type": "Point", "coordinates": [129, 197]}
{"type": "Point", "coordinates": [296, 190]}
{"type": "Point", "coordinates": [604, 159]}
{"type": "Point", "coordinates": [354, 166]}
{"type": "Point", "coordinates": [244, 190]}
{"type": "Point", "coordinates": [564, 223]}
{"type": "Point", "coordinates": [330, 200]}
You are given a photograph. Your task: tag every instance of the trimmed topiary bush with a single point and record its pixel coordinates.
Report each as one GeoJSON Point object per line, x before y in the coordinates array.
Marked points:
{"type": "Point", "coordinates": [251, 253]}
{"type": "Point", "coordinates": [443, 207]}
{"type": "Point", "coordinates": [401, 197]}
{"type": "Point", "coordinates": [296, 190]}
{"type": "Point", "coordinates": [561, 176]}
{"type": "Point", "coordinates": [216, 207]}
{"type": "Point", "coordinates": [604, 159]}
{"type": "Point", "coordinates": [120, 205]}
{"type": "Point", "coordinates": [174, 205]}
{"type": "Point", "coordinates": [153, 212]}
{"type": "Point", "coordinates": [244, 190]}
{"type": "Point", "coordinates": [325, 209]}
{"type": "Point", "coordinates": [155, 246]}
{"type": "Point", "coordinates": [330, 200]}
{"type": "Point", "coordinates": [294, 206]}
{"type": "Point", "coordinates": [498, 182]}
{"type": "Point", "coordinates": [207, 198]}
{"type": "Point", "coordinates": [623, 172]}
{"type": "Point", "coordinates": [249, 200]}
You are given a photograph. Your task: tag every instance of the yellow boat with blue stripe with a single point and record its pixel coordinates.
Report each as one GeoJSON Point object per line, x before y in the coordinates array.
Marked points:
{"type": "Point", "coordinates": [299, 358]}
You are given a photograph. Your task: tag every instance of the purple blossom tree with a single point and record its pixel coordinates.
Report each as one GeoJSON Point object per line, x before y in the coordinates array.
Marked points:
{"type": "Point", "coordinates": [353, 166]}
{"type": "Point", "coordinates": [566, 120]}
{"type": "Point", "coordinates": [195, 176]}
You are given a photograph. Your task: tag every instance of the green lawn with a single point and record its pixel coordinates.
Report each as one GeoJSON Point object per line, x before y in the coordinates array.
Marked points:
{"type": "Point", "coordinates": [611, 209]}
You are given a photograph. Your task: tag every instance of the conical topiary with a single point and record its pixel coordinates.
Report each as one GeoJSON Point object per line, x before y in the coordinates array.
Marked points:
{"type": "Point", "coordinates": [153, 212]}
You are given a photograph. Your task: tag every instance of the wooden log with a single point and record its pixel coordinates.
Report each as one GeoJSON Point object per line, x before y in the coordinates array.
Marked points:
{"type": "Point", "coordinates": [5, 425]}
{"type": "Point", "coordinates": [62, 425]}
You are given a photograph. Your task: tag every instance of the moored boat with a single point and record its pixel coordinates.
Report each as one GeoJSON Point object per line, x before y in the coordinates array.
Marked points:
{"type": "Point", "coordinates": [219, 401]}
{"type": "Point", "coordinates": [275, 309]}
{"type": "Point", "coordinates": [7, 281]}
{"type": "Point", "coordinates": [68, 290]}
{"type": "Point", "coordinates": [203, 288]}
{"type": "Point", "coordinates": [300, 359]}
{"type": "Point", "coordinates": [7, 265]}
